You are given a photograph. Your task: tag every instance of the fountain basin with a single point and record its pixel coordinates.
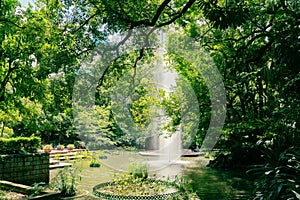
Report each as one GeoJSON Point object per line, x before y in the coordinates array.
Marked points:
{"type": "Point", "coordinates": [184, 153]}
{"type": "Point", "coordinates": [145, 189]}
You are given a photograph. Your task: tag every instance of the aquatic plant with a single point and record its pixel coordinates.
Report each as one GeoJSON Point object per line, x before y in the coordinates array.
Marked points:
{"type": "Point", "coordinates": [94, 163]}
{"type": "Point", "coordinates": [66, 181]}
{"type": "Point", "coordinates": [37, 189]}
{"type": "Point", "coordinates": [138, 170]}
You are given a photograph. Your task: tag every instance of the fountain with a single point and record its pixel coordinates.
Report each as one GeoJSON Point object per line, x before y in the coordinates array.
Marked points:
{"type": "Point", "coordinates": [166, 145]}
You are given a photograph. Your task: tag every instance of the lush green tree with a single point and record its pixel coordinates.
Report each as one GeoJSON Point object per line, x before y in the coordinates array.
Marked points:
{"type": "Point", "coordinates": [21, 87]}
{"type": "Point", "coordinates": [255, 45]}
{"type": "Point", "coordinates": [35, 45]}
{"type": "Point", "coordinates": [257, 51]}
{"type": "Point", "coordinates": [258, 57]}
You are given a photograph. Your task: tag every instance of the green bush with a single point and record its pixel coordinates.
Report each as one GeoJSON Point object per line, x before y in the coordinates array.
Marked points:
{"type": "Point", "coordinates": [66, 181]}
{"type": "Point", "coordinates": [279, 177]}
{"type": "Point", "coordinates": [79, 144]}
{"type": "Point", "coordinates": [94, 163]}
{"type": "Point", "coordinates": [138, 170]}
{"type": "Point", "coordinates": [36, 189]}
{"type": "Point", "coordinates": [19, 145]}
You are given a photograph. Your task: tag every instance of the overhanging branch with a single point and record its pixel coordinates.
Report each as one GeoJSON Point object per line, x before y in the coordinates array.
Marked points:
{"type": "Point", "coordinates": [180, 14]}
{"type": "Point", "coordinates": [10, 22]}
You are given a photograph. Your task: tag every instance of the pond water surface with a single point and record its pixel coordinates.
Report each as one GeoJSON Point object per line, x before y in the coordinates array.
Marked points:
{"type": "Point", "coordinates": [209, 184]}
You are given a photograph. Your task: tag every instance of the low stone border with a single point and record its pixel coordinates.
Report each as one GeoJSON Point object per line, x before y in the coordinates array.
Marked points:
{"type": "Point", "coordinates": [23, 189]}
{"type": "Point", "coordinates": [77, 196]}
{"type": "Point", "coordinates": [119, 197]}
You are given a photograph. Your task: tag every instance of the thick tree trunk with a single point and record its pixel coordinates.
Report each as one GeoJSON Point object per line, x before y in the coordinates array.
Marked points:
{"type": "Point", "coordinates": [2, 129]}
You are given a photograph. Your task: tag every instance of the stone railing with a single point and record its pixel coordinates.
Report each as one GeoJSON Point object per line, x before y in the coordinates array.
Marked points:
{"type": "Point", "coordinates": [26, 169]}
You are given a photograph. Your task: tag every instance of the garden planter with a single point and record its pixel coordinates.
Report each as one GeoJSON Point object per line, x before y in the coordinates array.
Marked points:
{"type": "Point", "coordinates": [60, 147]}
{"type": "Point", "coordinates": [47, 150]}
{"type": "Point", "coordinates": [70, 147]}
{"type": "Point", "coordinates": [105, 191]}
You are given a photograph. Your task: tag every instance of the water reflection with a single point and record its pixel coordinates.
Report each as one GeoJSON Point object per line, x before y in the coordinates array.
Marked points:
{"type": "Point", "coordinates": [211, 184]}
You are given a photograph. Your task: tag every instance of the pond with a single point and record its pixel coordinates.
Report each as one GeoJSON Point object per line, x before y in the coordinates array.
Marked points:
{"type": "Point", "coordinates": [212, 184]}
{"type": "Point", "coordinates": [209, 184]}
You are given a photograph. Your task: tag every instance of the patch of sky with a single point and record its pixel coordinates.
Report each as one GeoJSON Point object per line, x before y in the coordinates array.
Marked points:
{"type": "Point", "coordinates": [26, 2]}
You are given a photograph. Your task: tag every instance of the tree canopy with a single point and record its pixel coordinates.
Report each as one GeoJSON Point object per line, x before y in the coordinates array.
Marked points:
{"type": "Point", "coordinates": [254, 45]}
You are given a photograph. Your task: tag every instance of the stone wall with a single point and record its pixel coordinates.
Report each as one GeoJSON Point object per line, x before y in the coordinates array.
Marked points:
{"type": "Point", "coordinates": [25, 169]}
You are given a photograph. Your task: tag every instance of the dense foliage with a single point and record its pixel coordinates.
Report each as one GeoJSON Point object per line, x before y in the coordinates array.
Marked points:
{"type": "Point", "coordinates": [259, 60]}
{"type": "Point", "coordinates": [19, 145]}
{"type": "Point", "coordinates": [278, 178]}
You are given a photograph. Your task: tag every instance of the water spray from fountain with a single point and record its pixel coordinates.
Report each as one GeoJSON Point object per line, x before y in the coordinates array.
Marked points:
{"type": "Point", "coordinates": [167, 144]}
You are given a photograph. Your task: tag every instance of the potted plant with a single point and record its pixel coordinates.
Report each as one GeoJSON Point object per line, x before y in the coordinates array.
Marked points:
{"type": "Point", "coordinates": [70, 147]}
{"type": "Point", "coordinates": [60, 147]}
{"type": "Point", "coordinates": [48, 148]}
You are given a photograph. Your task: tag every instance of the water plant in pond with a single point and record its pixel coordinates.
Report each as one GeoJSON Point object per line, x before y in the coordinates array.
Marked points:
{"type": "Point", "coordinates": [94, 163]}
{"type": "Point", "coordinates": [207, 155]}
{"type": "Point", "coordinates": [138, 170]}
{"type": "Point", "coordinates": [66, 181]}
{"type": "Point", "coordinates": [137, 184]}
{"type": "Point", "coordinates": [128, 185]}
{"type": "Point", "coordinates": [37, 189]}
{"type": "Point", "coordinates": [101, 155]}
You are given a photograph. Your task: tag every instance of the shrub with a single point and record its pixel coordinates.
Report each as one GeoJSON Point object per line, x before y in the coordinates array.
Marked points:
{"type": "Point", "coordinates": [36, 189]}
{"type": "Point", "coordinates": [66, 181]}
{"type": "Point", "coordinates": [94, 163]}
{"type": "Point", "coordinates": [79, 144]}
{"type": "Point", "coordinates": [19, 145]}
{"type": "Point", "coordinates": [138, 170]}
{"type": "Point", "coordinates": [279, 177]}
{"type": "Point", "coordinates": [207, 155]}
